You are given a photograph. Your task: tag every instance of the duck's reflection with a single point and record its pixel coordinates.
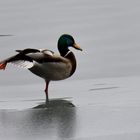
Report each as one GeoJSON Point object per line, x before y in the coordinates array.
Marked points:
{"type": "Point", "coordinates": [54, 121]}
{"type": "Point", "coordinates": [57, 119]}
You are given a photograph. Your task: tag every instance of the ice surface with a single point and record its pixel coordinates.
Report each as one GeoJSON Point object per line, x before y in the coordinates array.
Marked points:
{"type": "Point", "coordinates": [101, 100]}
{"type": "Point", "coordinates": [82, 109]}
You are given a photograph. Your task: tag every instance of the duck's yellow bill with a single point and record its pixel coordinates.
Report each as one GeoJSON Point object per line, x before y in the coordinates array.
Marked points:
{"type": "Point", "coordinates": [77, 47]}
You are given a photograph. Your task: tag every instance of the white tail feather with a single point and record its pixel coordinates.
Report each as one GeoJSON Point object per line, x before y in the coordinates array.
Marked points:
{"type": "Point", "coordinates": [23, 64]}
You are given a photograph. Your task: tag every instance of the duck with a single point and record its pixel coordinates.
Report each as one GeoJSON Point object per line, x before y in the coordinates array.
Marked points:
{"type": "Point", "coordinates": [45, 63]}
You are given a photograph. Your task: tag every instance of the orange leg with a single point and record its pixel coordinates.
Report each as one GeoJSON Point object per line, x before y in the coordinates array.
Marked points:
{"type": "Point", "coordinates": [3, 65]}
{"type": "Point", "coordinates": [46, 91]}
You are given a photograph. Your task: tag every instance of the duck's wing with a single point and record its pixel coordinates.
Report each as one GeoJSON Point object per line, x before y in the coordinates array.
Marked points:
{"type": "Point", "coordinates": [21, 59]}
{"type": "Point", "coordinates": [46, 56]}
{"type": "Point", "coordinates": [26, 58]}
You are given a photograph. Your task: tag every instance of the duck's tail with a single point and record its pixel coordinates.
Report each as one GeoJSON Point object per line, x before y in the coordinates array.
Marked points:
{"type": "Point", "coordinates": [3, 65]}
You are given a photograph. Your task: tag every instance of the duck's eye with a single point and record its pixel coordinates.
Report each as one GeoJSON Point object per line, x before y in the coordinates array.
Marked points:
{"type": "Point", "coordinates": [69, 42]}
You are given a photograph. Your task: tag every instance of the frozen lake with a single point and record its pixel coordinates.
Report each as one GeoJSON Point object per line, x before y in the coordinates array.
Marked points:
{"type": "Point", "coordinates": [91, 109]}
{"type": "Point", "coordinates": [101, 100]}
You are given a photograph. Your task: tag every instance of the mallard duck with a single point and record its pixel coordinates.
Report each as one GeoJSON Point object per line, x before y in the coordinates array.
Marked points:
{"type": "Point", "coordinates": [45, 63]}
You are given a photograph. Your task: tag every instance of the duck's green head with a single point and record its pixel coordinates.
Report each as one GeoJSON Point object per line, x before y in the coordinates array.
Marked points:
{"type": "Point", "coordinates": [65, 41]}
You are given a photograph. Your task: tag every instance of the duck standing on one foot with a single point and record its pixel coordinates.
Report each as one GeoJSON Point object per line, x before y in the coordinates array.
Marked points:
{"type": "Point", "coordinates": [46, 63]}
